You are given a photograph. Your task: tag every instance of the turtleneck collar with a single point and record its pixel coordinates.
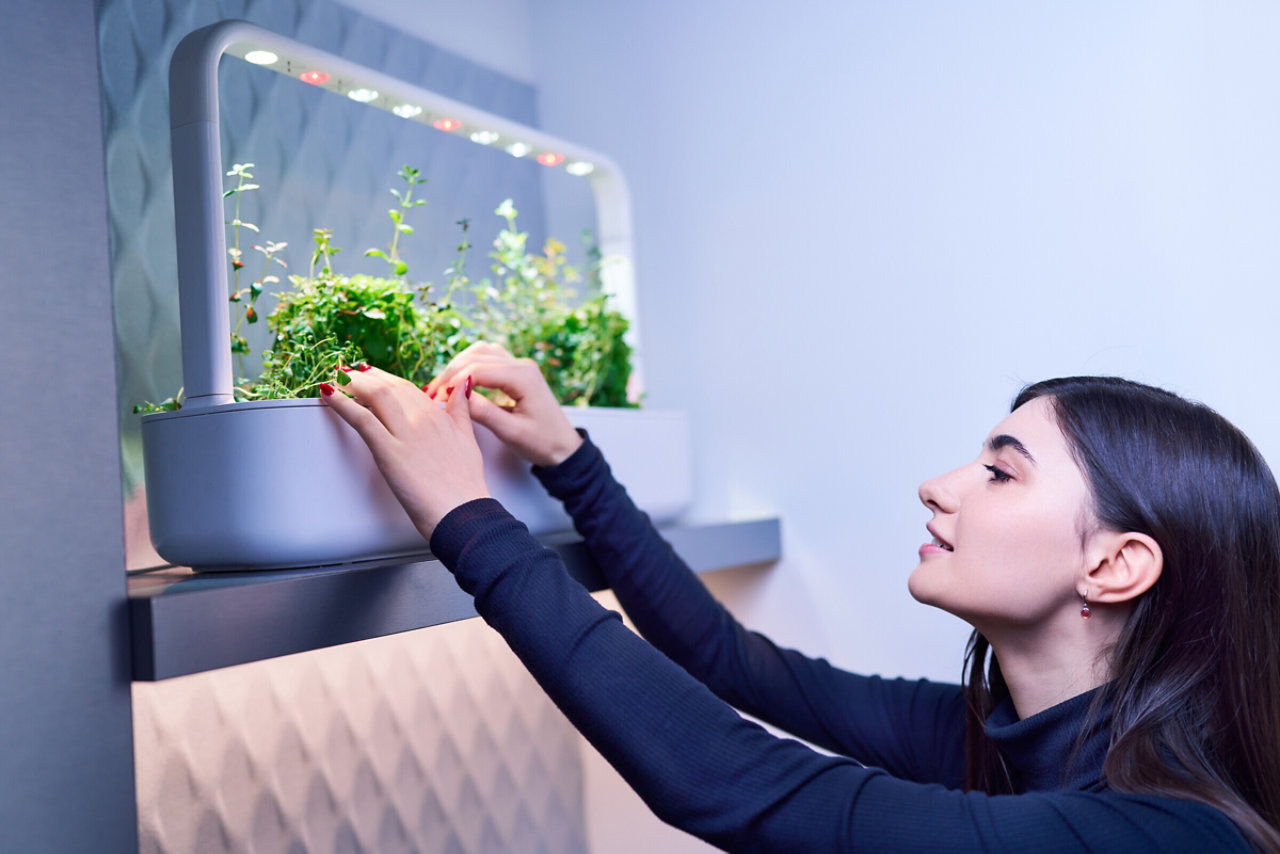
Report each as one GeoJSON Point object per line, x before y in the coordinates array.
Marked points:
{"type": "Point", "coordinates": [1039, 750]}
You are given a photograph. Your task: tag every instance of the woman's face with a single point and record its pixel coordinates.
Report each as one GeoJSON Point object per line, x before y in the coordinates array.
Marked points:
{"type": "Point", "coordinates": [1008, 548]}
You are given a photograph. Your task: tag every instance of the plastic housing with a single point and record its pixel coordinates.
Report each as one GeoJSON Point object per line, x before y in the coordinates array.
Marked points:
{"type": "Point", "coordinates": [287, 483]}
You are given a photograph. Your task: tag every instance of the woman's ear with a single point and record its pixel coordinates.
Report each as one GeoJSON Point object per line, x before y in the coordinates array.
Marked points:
{"type": "Point", "coordinates": [1123, 566]}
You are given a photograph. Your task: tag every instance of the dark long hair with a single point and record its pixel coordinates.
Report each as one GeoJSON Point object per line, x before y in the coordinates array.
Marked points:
{"type": "Point", "coordinates": [1195, 688]}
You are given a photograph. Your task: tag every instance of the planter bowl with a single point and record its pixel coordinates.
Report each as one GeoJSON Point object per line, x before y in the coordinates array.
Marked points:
{"type": "Point", "coordinates": [287, 483]}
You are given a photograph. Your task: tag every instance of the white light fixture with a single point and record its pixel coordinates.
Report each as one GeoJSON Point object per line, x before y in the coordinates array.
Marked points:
{"type": "Point", "coordinates": [261, 57]}
{"type": "Point", "coordinates": [207, 373]}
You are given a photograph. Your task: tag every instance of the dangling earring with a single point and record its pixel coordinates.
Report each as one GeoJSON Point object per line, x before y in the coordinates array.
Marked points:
{"type": "Point", "coordinates": [1084, 607]}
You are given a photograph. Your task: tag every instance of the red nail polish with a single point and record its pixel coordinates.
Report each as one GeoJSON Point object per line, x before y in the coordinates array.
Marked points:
{"type": "Point", "coordinates": [448, 391]}
{"type": "Point", "coordinates": [426, 389]}
{"type": "Point", "coordinates": [346, 368]}
{"type": "Point", "coordinates": [363, 366]}
{"type": "Point", "coordinates": [467, 388]}
{"type": "Point", "coordinates": [326, 389]}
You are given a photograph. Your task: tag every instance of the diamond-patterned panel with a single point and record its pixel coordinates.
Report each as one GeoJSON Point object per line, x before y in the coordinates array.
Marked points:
{"type": "Point", "coordinates": [431, 741]}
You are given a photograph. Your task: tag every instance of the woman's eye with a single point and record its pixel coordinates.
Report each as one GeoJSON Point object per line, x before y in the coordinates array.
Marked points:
{"type": "Point", "coordinates": [998, 475]}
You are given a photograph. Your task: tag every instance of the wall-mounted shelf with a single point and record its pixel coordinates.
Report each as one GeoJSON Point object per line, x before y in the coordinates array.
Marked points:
{"type": "Point", "coordinates": [183, 622]}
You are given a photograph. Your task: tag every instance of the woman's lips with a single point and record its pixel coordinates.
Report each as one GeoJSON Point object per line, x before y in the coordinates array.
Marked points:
{"type": "Point", "coordinates": [936, 546]}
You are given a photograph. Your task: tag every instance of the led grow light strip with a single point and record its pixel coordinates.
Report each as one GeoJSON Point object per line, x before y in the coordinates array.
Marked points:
{"type": "Point", "coordinates": [440, 116]}
{"type": "Point", "coordinates": [197, 179]}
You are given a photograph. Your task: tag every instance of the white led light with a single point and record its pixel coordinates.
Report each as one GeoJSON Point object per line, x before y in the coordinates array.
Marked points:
{"type": "Point", "coordinates": [406, 111]}
{"type": "Point", "coordinates": [518, 149]}
{"type": "Point", "coordinates": [364, 96]}
{"type": "Point", "coordinates": [580, 168]}
{"type": "Point", "coordinates": [484, 137]}
{"type": "Point", "coordinates": [261, 57]}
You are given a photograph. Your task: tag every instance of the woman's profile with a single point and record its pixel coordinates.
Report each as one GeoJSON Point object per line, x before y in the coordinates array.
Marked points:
{"type": "Point", "coordinates": [1115, 547]}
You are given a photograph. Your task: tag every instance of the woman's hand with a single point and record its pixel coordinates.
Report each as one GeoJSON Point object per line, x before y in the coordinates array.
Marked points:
{"type": "Point", "coordinates": [427, 454]}
{"type": "Point", "coordinates": [535, 427]}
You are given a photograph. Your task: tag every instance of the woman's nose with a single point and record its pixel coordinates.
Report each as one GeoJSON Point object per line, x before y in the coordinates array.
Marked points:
{"type": "Point", "coordinates": [940, 494]}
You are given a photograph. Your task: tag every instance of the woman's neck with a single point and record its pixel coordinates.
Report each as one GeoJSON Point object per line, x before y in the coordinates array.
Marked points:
{"type": "Point", "coordinates": [1045, 668]}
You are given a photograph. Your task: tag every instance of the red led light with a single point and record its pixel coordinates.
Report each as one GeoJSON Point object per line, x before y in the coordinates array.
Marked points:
{"type": "Point", "coordinates": [550, 158]}
{"type": "Point", "coordinates": [315, 78]}
{"type": "Point", "coordinates": [446, 125]}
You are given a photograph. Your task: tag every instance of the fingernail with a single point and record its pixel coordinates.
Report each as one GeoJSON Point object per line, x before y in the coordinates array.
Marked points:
{"type": "Point", "coordinates": [363, 366]}
{"type": "Point", "coordinates": [467, 388]}
{"type": "Point", "coordinates": [346, 368]}
{"type": "Point", "coordinates": [326, 389]}
{"type": "Point", "coordinates": [426, 389]}
{"type": "Point", "coordinates": [448, 391]}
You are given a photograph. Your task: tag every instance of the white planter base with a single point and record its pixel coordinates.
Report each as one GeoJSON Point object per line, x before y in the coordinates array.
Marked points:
{"type": "Point", "coordinates": [286, 483]}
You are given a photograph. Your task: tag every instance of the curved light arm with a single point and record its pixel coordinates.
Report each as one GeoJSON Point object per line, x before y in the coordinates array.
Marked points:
{"type": "Point", "coordinates": [197, 180]}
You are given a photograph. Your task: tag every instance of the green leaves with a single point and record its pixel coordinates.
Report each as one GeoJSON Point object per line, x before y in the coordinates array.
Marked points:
{"type": "Point", "coordinates": [528, 307]}
{"type": "Point", "coordinates": [412, 177]}
{"type": "Point", "coordinates": [327, 319]}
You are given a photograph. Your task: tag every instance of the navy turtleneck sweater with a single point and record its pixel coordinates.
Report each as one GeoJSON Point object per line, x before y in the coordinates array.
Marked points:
{"type": "Point", "coordinates": [661, 713]}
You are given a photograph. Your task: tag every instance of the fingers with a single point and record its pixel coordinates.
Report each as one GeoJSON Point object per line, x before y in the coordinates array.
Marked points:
{"type": "Point", "coordinates": [361, 420]}
{"type": "Point", "coordinates": [390, 400]}
{"type": "Point", "coordinates": [458, 406]}
{"type": "Point", "coordinates": [518, 378]}
{"type": "Point", "coordinates": [482, 352]}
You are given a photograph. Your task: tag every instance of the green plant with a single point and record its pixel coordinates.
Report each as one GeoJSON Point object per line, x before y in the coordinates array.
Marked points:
{"type": "Point", "coordinates": [328, 319]}
{"type": "Point", "coordinates": [528, 308]}
{"type": "Point", "coordinates": [411, 177]}
{"type": "Point", "coordinates": [246, 310]}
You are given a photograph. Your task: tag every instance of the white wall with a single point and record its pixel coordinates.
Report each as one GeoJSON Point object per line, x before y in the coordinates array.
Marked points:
{"type": "Point", "coordinates": [862, 226]}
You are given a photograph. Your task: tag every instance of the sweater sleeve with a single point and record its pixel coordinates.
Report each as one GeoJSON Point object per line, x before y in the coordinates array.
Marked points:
{"type": "Point", "coordinates": [706, 770]}
{"type": "Point", "coordinates": [913, 729]}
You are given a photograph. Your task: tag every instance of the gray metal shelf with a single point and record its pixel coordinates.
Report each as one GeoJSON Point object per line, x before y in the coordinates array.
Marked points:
{"type": "Point", "coordinates": [184, 622]}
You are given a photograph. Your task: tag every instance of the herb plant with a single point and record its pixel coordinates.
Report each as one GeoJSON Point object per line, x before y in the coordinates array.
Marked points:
{"type": "Point", "coordinates": [330, 319]}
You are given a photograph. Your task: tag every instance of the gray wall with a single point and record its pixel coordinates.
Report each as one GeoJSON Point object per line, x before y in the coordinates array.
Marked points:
{"type": "Point", "coordinates": [66, 780]}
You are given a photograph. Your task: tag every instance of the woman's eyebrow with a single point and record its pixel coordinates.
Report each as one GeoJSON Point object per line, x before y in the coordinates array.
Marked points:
{"type": "Point", "coordinates": [1004, 440]}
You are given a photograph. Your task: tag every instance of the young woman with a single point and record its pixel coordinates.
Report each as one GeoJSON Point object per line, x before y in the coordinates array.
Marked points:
{"type": "Point", "coordinates": [1116, 548]}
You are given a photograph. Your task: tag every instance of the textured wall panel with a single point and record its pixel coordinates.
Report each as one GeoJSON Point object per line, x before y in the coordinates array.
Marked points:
{"type": "Point", "coordinates": [430, 741]}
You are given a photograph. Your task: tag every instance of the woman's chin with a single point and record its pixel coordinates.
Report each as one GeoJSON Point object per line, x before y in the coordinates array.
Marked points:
{"type": "Point", "coordinates": [929, 589]}
{"type": "Point", "coordinates": [919, 587]}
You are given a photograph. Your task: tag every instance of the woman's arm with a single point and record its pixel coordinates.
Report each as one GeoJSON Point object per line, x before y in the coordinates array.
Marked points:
{"type": "Point", "coordinates": [912, 729]}
{"type": "Point", "coordinates": [875, 721]}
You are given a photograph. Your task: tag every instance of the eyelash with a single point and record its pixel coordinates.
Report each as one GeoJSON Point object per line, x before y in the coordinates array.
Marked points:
{"type": "Point", "coordinates": [998, 475]}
